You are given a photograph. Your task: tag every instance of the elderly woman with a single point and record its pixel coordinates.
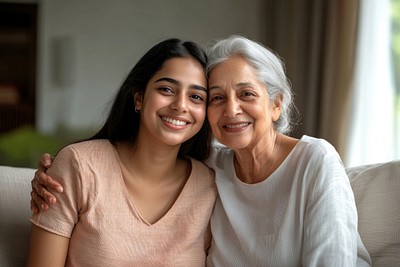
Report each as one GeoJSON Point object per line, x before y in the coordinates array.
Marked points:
{"type": "Point", "coordinates": [282, 201]}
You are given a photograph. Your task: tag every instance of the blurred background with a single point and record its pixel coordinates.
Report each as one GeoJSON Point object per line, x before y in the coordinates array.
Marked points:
{"type": "Point", "coordinates": [61, 62]}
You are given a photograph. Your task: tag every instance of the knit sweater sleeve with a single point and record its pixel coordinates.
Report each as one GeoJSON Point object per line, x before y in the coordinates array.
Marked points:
{"type": "Point", "coordinates": [330, 219]}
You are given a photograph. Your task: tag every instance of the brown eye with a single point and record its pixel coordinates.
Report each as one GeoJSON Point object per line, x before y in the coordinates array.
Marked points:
{"type": "Point", "coordinates": [248, 94]}
{"type": "Point", "coordinates": [165, 89]}
{"type": "Point", "coordinates": [216, 98]}
{"type": "Point", "coordinates": [197, 98]}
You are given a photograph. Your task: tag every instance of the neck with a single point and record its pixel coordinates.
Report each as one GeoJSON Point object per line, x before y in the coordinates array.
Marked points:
{"type": "Point", "coordinates": [256, 163]}
{"type": "Point", "coordinates": [149, 161]}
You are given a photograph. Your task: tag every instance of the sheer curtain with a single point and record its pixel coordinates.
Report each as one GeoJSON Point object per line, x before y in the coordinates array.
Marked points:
{"type": "Point", "coordinates": [371, 129]}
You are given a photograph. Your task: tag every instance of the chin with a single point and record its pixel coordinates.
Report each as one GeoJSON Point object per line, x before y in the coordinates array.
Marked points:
{"type": "Point", "coordinates": [234, 144]}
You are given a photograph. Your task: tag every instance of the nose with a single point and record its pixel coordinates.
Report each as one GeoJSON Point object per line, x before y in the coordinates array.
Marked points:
{"type": "Point", "coordinates": [180, 103]}
{"type": "Point", "coordinates": [232, 107]}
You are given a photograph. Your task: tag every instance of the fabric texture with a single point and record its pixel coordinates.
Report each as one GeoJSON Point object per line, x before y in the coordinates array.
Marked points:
{"type": "Point", "coordinates": [377, 193]}
{"type": "Point", "coordinates": [15, 226]}
{"type": "Point", "coordinates": [15, 185]}
{"type": "Point", "coordinates": [303, 214]}
{"type": "Point", "coordinates": [106, 229]}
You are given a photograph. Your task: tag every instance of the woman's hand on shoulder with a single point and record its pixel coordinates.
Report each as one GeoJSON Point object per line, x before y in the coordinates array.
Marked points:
{"type": "Point", "coordinates": [41, 198]}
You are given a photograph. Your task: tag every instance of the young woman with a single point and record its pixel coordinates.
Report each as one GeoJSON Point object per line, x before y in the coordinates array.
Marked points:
{"type": "Point", "coordinates": [136, 193]}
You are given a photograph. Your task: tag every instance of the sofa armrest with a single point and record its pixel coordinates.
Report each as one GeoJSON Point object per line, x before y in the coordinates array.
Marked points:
{"type": "Point", "coordinates": [15, 211]}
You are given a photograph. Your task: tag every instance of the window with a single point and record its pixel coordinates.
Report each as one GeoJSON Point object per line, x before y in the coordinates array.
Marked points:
{"type": "Point", "coordinates": [395, 42]}
{"type": "Point", "coordinates": [375, 122]}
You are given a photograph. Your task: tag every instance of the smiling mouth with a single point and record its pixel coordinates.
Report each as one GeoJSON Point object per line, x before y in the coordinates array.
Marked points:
{"type": "Point", "coordinates": [174, 121]}
{"type": "Point", "coordinates": [235, 126]}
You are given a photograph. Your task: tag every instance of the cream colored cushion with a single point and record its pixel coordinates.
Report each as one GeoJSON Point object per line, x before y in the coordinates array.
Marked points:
{"type": "Point", "coordinates": [377, 193]}
{"type": "Point", "coordinates": [376, 190]}
{"type": "Point", "coordinates": [14, 215]}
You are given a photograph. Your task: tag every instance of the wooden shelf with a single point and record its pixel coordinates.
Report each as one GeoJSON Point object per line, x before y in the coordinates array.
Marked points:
{"type": "Point", "coordinates": [15, 116]}
{"type": "Point", "coordinates": [18, 33]}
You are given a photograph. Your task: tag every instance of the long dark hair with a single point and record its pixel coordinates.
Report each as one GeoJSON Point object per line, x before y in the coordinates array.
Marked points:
{"type": "Point", "coordinates": [123, 122]}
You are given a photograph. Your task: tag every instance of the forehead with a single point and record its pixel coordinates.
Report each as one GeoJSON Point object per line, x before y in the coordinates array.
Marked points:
{"type": "Point", "coordinates": [235, 68]}
{"type": "Point", "coordinates": [181, 66]}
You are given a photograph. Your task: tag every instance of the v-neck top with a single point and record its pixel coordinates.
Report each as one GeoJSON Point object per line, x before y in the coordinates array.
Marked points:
{"type": "Point", "coordinates": [104, 227]}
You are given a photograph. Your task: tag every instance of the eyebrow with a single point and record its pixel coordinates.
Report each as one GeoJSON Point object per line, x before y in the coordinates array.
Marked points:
{"type": "Point", "coordinates": [173, 81]}
{"type": "Point", "coordinates": [213, 88]}
{"type": "Point", "coordinates": [236, 86]}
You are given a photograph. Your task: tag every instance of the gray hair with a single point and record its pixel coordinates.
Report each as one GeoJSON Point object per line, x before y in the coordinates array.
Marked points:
{"type": "Point", "coordinates": [270, 71]}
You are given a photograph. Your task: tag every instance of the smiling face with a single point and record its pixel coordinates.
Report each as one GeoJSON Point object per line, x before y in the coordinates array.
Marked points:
{"type": "Point", "coordinates": [239, 111]}
{"type": "Point", "coordinates": [173, 107]}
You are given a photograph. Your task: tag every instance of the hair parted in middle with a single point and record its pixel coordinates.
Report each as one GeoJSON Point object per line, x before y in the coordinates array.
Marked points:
{"type": "Point", "coordinates": [122, 123]}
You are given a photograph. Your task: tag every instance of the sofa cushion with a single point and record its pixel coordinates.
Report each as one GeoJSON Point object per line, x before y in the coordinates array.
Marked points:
{"type": "Point", "coordinates": [15, 211]}
{"type": "Point", "coordinates": [376, 190]}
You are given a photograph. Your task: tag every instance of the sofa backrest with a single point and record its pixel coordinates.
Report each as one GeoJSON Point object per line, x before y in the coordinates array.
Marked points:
{"type": "Point", "coordinates": [376, 190]}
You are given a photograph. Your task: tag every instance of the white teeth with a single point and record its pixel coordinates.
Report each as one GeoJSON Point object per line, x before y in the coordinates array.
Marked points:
{"type": "Point", "coordinates": [173, 121]}
{"type": "Point", "coordinates": [236, 125]}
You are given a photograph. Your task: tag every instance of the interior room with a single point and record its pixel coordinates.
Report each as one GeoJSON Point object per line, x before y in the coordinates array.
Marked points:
{"type": "Point", "coordinates": [72, 57]}
{"type": "Point", "coordinates": [62, 62]}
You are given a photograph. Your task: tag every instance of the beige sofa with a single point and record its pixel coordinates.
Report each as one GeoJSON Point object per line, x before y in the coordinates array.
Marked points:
{"type": "Point", "coordinates": [376, 189]}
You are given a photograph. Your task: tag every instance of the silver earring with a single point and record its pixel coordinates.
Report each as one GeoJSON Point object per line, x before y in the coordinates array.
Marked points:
{"type": "Point", "coordinates": [136, 110]}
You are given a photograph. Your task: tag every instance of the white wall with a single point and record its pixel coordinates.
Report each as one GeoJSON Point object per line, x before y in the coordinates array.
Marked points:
{"type": "Point", "coordinates": [104, 39]}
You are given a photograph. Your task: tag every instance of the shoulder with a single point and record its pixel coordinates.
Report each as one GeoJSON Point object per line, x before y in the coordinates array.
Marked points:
{"type": "Point", "coordinates": [201, 182]}
{"type": "Point", "coordinates": [316, 152]}
{"type": "Point", "coordinates": [89, 146]}
{"type": "Point", "coordinates": [219, 156]}
{"type": "Point", "coordinates": [315, 157]}
{"type": "Point", "coordinates": [86, 149]}
{"type": "Point", "coordinates": [319, 161]}
{"type": "Point", "coordinates": [201, 169]}
{"type": "Point", "coordinates": [86, 155]}
{"type": "Point", "coordinates": [316, 146]}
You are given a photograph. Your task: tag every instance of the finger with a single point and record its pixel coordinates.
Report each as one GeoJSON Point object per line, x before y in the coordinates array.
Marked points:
{"type": "Point", "coordinates": [46, 160]}
{"type": "Point", "coordinates": [42, 192]}
{"type": "Point", "coordinates": [48, 182]}
{"type": "Point", "coordinates": [38, 201]}
{"type": "Point", "coordinates": [47, 196]}
{"type": "Point", "coordinates": [34, 208]}
{"type": "Point", "coordinates": [35, 183]}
